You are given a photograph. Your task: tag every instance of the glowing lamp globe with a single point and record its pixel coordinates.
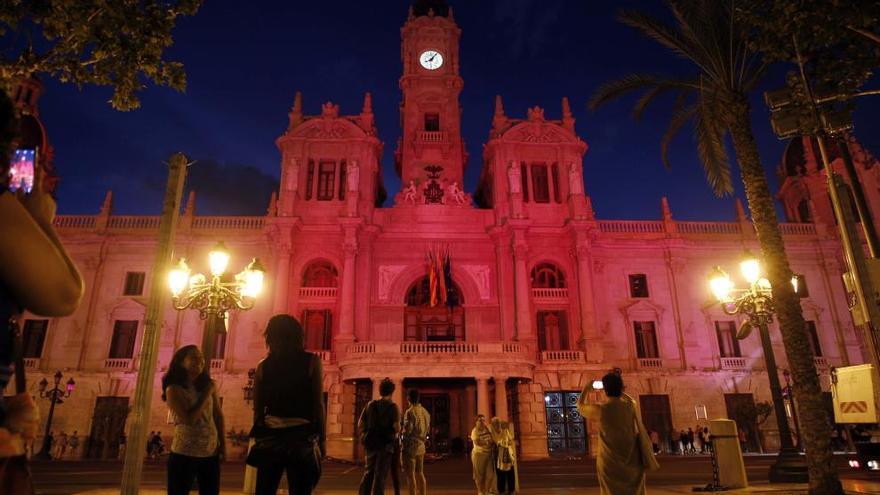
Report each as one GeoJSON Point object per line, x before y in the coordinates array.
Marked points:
{"type": "Point", "coordinates": [750, 268]}
{"type": "Point", "coordinates": [252, 278]}
{"type": "Point", "coordinates": [720, 284]}
{"type": "Point", "coordinates": [178, 278]}
{"type": "Point", "coordinates": [218, 259]}
{"type": "Point", "coordinates": [70, 385]}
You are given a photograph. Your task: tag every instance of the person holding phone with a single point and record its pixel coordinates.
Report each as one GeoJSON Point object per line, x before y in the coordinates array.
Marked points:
{"type": "Point", "coordinates": [36, 274]}
{"type": "Point", "coordinates": [624, 447]}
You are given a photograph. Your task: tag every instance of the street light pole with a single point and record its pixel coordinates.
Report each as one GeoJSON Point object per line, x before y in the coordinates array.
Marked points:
{"type": "Point", "coordinates": [790, 396]}
{"type": "Point", "coordinates": [756, 304]}
{"type": "Point", "coordinates": [55, 396]}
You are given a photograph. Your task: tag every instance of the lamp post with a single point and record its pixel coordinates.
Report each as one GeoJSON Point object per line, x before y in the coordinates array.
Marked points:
{"type": "Point", "coordinates": [756, 304]}
{"type": "Point", "coordinates": [55, 395]}
{"type": "Point", "coordinates": [787, 394]}
{"type": "Point", "coordinates": [215, 297]}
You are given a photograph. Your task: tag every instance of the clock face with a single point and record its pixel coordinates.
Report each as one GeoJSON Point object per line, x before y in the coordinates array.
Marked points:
{"type": "Point", "coordinates": [431, 59]}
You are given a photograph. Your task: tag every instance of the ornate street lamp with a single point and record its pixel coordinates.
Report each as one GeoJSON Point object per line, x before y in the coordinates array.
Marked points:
{"type": "Point", "coordinates": [215, 297]}
{"type": "Point", "coordinates": [756, 304]}
{"type": "Point", "coordinates": [55, 396]}
{"type": "Point", "coordinates": [249, 388]}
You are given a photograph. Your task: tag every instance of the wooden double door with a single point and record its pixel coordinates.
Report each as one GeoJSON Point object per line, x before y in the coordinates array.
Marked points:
{"type": "Point", "coordinates": [108, 425]}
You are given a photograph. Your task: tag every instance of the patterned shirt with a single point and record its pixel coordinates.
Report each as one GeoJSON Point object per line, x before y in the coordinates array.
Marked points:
{"type": "Point", "coordinates": [416, 425]}
{"type": "Point", "coordinates": [198, 439]}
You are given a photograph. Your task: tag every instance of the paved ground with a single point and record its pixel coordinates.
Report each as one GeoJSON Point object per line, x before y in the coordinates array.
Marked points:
{"type": "Point", "coordinates": [452, 476]}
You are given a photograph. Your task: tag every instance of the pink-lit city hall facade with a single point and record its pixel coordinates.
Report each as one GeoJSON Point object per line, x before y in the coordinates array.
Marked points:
{"type": "Point", "coordinates": [550, 297]}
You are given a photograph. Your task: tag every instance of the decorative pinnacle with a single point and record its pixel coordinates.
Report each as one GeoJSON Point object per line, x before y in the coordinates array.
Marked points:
{"type": "Point", "coordinates": [368, 103]}
{"type": "Point", "coordinates": [298, 103]}
{"type": "Point", "coordinates": [499, 106]}
{"type": "Point", "coordinates": [664, 206]}
{"type": "Point", "coordinates": [566, 108]}
{"type": "Point", "coordinates": [107, 206]}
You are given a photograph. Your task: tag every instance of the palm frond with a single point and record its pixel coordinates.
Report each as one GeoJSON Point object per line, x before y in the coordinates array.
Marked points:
{"type": "Point", "coordinates": [646, 99]}
{"type": "Point", "coordinates": [680, 116]}
{"type": "Point", "coordinates": [635, 82]}
{"type": "Point", "coordinates": [709, 133]}
{"type": "Point", "coordinates": [668, 37]}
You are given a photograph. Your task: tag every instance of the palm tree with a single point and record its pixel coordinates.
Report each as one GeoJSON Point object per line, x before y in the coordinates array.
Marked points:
{"type": "Point", "coordinates": [714, 101]}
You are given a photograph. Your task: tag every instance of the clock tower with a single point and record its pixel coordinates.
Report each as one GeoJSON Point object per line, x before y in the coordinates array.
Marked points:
{"type": "Point", "coordinates": [430, 152]}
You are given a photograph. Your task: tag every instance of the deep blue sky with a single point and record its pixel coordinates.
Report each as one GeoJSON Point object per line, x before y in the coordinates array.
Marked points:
{"type": "Point", "coordinates": [244, 64]}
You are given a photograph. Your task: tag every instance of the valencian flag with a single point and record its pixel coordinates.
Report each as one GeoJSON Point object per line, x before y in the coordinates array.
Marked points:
{"type": "Point", "coordinates": [440, 286]}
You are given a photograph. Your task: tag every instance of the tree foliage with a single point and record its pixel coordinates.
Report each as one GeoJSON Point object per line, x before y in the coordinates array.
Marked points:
{"type": "Point", "coordinates": [117, 43]}
{"type": "Point", "coordinates": [839, 40]}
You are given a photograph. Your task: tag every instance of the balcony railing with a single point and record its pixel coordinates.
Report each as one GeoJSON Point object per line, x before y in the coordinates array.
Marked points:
{"type": "Point", "coordinates": [362, 348]}
{"type": "Point", "coordinates": [31, 363]}
{"type": "Point", "coordinates": [549, 294]}
{"type": "Point", "coordinates": [118, 364]}
{"type": "Point", "coordinates": [74, 221]}
{"type": "Point", "coordinates": [707, 227]}
{"type": "Point", "coordinates": [437, 348]}
{"type": "Point", "coordinates": [631, 226]}
{"type": "Point", "coordinates": [326, 356]}
{"type": "Point", "coordinates": [318, 292]}
{"type": "Point", "coordinates": [218, 364]}
{"type": "Point", "coordinates": [433, 136]}
{"type": "Point", "coordinates": [821, 362]}
{"type": "Point", "coordinates": [650, 363]}
{"type": "Point", "coordinates": [734, 363]}
{"type": "Point", "coordinates": [562, 356]}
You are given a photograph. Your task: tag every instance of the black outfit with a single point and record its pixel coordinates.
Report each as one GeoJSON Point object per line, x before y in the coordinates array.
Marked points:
{"type": "Point", "coordinates": [506, 481]}
{"type": "Point", "coordinates": [290, 386]}
{"type": "Point", "coordinates": [377, 427]}
{"type": "Point", "coordinates": [184, 469]}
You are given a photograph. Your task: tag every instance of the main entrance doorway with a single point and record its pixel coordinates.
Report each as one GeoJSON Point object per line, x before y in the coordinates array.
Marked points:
{"type": "Point", "coordinates": [437, 406]}
{"type": "Point", "coordinates": [452, 404]}
{"type": "Point", "coordinates": [657, 416]}
{"type": "Point", "coordinates": [741, 409]}
{"type": "Point", "coordinates": [566, 432]}
{"type": "Point", "coordinates": [108, 424]}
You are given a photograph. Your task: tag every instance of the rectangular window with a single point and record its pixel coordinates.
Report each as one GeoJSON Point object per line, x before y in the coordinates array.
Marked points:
{"type": "Point", "coordinates": [343, 180]}
{"type": "Point", "coordinates": [326, 180]}
{"type": "Point", "coordinates": [552, 331]}
{"type": "Point", "coordinates": [124, 336]}
{"type": "Point", "coordinates": [813, 337]}
{"type": "Point", "coordinates": [638, 285]}
{"type": "Point", "coordinates": [646, 340]}
{"type": "Point", "coordinates": [310, 179]}
{"type": "Point", "coordinates": [554, 175]}
{"type": "Point", "coordinates": [34, 335]}
{"type": "Point", "coordinates": [317, 327]}
{"type": "Point", "coordinates": [134, 284]}
{"type": "Point", "coordinates": [540, 183]}
{"type": "Point", "coordinates": [801, 286]}
{"type": "Point", "coordinates": [728, 345]}
{"type": "Point", "coordinates": [524, 177]}
{"type": "Point", "coordinates": [432, 122]}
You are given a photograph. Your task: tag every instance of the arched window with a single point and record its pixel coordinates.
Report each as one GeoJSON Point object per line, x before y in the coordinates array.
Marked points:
{"type": "Point", "coordinates": [423, 322]}
{"type": "Point", "coordinates": [319, 274]}
{"type": "Point", "coordinates": [547, 276]}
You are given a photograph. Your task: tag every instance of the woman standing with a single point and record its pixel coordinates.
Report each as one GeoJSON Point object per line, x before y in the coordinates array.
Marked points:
{"type": "Point", "coordinates": [505, 453]}
{"type": "Point", "coordinates": [624, 446]}
{"type": "Point", "coordinates": [288, 411]}
{"type": "Point", "coordinates": [482, 457]}
{"type": "Point", "coordinates": [198, 445]}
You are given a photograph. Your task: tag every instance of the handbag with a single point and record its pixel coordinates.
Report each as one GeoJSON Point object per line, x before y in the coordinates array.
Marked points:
{"type": "Point", "coordinates": [15, 475]}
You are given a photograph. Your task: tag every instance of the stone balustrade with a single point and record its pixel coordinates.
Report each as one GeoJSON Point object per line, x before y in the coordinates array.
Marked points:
{"type": "Point", "coordinates": [631, 226]}
{"type": "Point", "coordinates": [734, 363]}
{"type": "Point", "coordinates": [218, 364]}
{"type": "Point", "coordinates": [234, 223]}
{"type": "Point", "coordinates": [550, 294]}
{"type": "Point", "coordinates": [433, 136]}
{"type": "Point", "coordinates": [650, 363]}
{"type": "Point", "coordinates": [437, 348]}
{"type": "Point", "coordinates": [74, 222]}
{"type": "Point", "coordinates": [391, 349]}
{"type": "Point", "coordinates": [148, 222]}
{"type": "Point", "coordinates": [318, 292]}
{"type": "Point", "coordinates": [31, 363]}
{"type": "Point", "coordinates": [708, 228]}
{"type": "Point", "coordinates": [821, 362]}
{"type": "Point", "coordinates": [118, 364]}
{"type": "Point", "coordinates": [562, 356]}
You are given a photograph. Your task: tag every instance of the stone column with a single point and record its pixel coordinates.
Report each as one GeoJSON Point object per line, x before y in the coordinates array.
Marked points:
{"type": "Point", "coordinates": [346, 316]}
{"type": "Point", "coordinates": [523, 307]}
{"type": "Point", "coordinates": [588, 335]}
{"type": "Point", "coordinates": [483, 397]}
{"type": "Point", "coordinates": [504, 270]}
{"type": "Point", "coordinates": [470, 398]}
{"type": "Point", "coordinates": [501, 397]}
{"type": "Point", "coordinates": [282, 280]}
{"type": "Point", "coordinates": [376, 382]}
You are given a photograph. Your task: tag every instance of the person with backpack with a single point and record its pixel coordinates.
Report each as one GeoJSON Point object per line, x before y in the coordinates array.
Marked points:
{"type": "Point", "coordinates": [416, 425]}
{"type": "Point", "coordinates": [379, 425]}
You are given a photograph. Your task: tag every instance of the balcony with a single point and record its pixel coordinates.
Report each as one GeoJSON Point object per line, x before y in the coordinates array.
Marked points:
{"type": "Point", "coordinates": [437, 348]}
{"type": "Point", "coordinates": [31, 363]}
{"type": "Point", "coordinates": [328, 293]}
{"type": "Point", "coordinates": [218, 364]}
{"type": "Point", "coordinates": [562, 357]}
{"type": "Point", "coordinates": [118, 364]}
{"type": "Point", "coordinates": [734, 363]}
{"type": "Point", "coordinates": [548, 294]}
{"type": "Point", "coordinates": [650, 363]}
{"type": "Point", "coordinates": [326, 356]}
{"type": "Point", "coordinates": [821, 363]}
{"type": "Point", "coordinates": [440, 137]}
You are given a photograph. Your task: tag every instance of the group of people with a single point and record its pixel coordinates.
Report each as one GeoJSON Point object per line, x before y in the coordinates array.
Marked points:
{"type": "Point", "coordinates": [59, 445]}
{"type": "Point", "coordinates": [494, 457]}
{"type": "Point", "coordinates": [689, 442]}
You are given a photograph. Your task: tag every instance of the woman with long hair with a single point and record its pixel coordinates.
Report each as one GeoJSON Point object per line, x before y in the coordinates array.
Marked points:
{"type": "Point", "coordinates": [625, 451]}
{"type": "Point", "coordinates": [288, 411]}
{"type": "Point", "coordinates": [198, 445]}
{"type": "Point", "coordinates": [482, 457]}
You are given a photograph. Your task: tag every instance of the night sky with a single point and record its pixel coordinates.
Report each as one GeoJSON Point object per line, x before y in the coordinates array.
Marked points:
{"type": "Point", "coordinates": [244, 64]}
